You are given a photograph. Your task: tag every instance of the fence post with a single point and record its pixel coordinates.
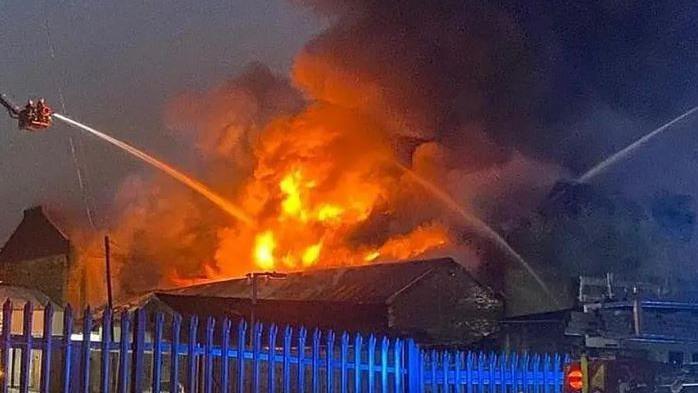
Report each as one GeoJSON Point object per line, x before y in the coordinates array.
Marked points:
{"type": "Point", "coordinates": [385, 345]}
{"type": "Point", "coordinates": [174, 352]}
{"type": "Point", "coordinates": [208, 355]}
{"type": "Point", "coordinates": [26, 347]}
{"type": "Point", "coordinates": [138, 351]}
{"type": "Point", "coordinates": [493, 370]}
{"type": "Point", "coordinates": [315, 371]}
{"type": "Point", "coordinates": [503, 361]}
{"type": "Point", "coordinates": [398, 364]}
{"type": "Point", "coordinates": [414, 367]}
{"type": "Point", "coordinates": [242, 337]}
{"type": "Point", "coordinates": [47, 350]}
{"type": "Point", "coordinates": [124, 345]}
{"type": "Point", "coordinates": [225, 356]}
{"type": "Point", "coordinates": [358, 341]}
{"type": "Point", "coordinates": [6, 343]}
{"type": "Point", "coordinates": [514, 369]}
{"type": "Point", "coordinates": [271, 381]}
{"type": "Point", "coordinates": [445, 366]}
{"type": "Point", "coordinates": [535, 380]}
{"type": "Point", "coordinates": [330, 361]}
{"type": "Point", "coordinates": [456, 374]}
{"type": "Point", "coordinates": [555, 373]}
{"type": "Point", "coordinates": [86, 342]}
{"type": "Point", "coordinates": [106, 346]}
{"type": "Point", "coordinates": [191, 353]}
{"type": "Point", "coordinates": [343, 362]}
{"type": "Point", "coordinates": [288, 335]}
{"type": "Point", "coordinates": [256, 349]}
{"type": "Point", "coordinates": [371, 363]}
{"type": "Point", "coordinates": [302, 334]}
{"type": "Point", "coordinates": [67, 347]}
{"type": "Point", "coordinates": [157, 353]}
{"type": "Point", "coordinates": [546, 366]}
{"type": "Point", "coordinates": [469, 371]}
{"type": "Point", "coordinates": [525, 364]}
{"type": "Point", "coordinates": [433, 358]}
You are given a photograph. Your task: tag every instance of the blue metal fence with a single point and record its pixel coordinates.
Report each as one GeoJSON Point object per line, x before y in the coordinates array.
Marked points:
{"type": "Point", "coordinates": [155, 353]}
{"type": "Point", "coordinates": [467, 371]}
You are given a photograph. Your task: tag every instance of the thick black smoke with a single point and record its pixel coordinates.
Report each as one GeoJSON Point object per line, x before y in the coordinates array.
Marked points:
{"type": "Point", "coordinates": [565, 83]}
{"type": "Point", "coordinates": [489, 77]}
{"type": "Point", "coordinates": [494, 101]}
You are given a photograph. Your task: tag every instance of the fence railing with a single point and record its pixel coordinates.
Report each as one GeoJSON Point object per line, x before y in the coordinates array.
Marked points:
{"type": "Point", "coordinates": [467, 371]}
{"type": "Point", "coordinates": [137, 352]}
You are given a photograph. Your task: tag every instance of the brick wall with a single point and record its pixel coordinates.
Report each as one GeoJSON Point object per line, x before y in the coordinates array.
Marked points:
{"type": "Point", "coordinates": [49, 275]}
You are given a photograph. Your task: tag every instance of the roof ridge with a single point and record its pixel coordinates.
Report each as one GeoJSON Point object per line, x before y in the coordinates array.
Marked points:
{"type": "Point", "coordinates": [395, 263]}
{"type": "Point", "coordinates": [36, 236]}
{"type": "Point", "coordinates": [53, 223]}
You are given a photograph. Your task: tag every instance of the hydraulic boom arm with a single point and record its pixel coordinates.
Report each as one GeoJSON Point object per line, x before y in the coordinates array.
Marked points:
{"type": "Point", "coordinates": [11, 108]}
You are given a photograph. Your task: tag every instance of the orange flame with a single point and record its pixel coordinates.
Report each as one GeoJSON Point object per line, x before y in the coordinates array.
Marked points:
{"type": "Point", "coordinates": [317, 184]}
{"type": "Point", "coordinates": [264, 250]}
{"type": "Point", "coordinates": [319, 179]}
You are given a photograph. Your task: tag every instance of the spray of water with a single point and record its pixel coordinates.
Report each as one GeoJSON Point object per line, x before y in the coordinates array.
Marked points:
{"type": "Point", "coordinates": [238, 213]}
{"type": "Point", "coordinates": [475, 223]}
{"type": "Point", "coordinates": [195, 185]}
{"type": "Point", "coordinates": [622, 154]}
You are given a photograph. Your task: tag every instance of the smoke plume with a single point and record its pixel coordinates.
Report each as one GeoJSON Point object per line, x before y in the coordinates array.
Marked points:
{"type": "Point", "coordinates": [476, 97]}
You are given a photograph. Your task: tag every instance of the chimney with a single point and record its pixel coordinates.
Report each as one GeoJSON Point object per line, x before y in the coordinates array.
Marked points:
{"type": "Point", "coordinates": [34, 211]}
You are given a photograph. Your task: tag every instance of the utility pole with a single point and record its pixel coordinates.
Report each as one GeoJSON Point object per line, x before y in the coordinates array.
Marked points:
{"type": "Point", "coordinates": [107, 260]}
{"type": "Point", "coordinates": [253, 305]}
{"type": "Point", "coordinates": [253, 300]}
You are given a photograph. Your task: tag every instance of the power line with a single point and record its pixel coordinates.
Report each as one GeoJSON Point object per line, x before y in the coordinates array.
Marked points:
{"type": "Point", "coordinates": [82, 181]}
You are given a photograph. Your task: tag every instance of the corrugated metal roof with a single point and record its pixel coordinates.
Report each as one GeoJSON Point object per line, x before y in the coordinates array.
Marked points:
{"type": "Point", "coordinates": [356, 284]}
{"type": "Point", "coordinates": [35, 237]}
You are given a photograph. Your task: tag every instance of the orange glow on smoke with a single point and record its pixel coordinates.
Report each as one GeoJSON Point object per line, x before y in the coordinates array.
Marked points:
{"type": "Point", "coordinates": [317, 183]}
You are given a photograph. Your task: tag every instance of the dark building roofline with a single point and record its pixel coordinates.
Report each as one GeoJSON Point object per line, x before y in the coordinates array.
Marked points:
{"type": "Point", "coordinates": [374, 284]}
{"type": "Point", "coordinates": [36, 236]}
{"type": "Point", "coordinates": [19, 296]}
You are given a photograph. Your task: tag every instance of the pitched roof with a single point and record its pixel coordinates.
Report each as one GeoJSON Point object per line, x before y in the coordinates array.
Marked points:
{"type": "Point", "coordinates": [374, 284]}
{"type": "Point", "coordinates": [19, 296]}
{"type": "Point", "coordinates": [35, 237]}
{"type": "Point", "coordinates": [183, 305]}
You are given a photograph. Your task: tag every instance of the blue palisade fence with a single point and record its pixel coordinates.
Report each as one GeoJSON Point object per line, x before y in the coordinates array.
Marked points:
{"type": "Point", "coordinates": [136, 352]}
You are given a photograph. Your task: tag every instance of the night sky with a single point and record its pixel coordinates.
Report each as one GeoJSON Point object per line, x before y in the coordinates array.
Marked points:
{"type": "Point", "coordinates": [595, 77]}
{"type": "Point", "coordinates": [117, 65]}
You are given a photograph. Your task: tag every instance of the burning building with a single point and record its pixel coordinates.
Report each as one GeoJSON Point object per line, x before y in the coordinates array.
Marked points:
{"type": "Point", "coordinates": [325, 161]}
{"type": "Point", "coordinates": [435, 301]}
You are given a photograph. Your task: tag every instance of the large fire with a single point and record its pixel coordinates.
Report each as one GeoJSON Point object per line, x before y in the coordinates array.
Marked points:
{"type": "Point", "coordinates": [312, 160]}
{"type": "Point", "coordinates": [327, 223]}
{"type": "Point", "coordinates": [331, 165]}
{"type": "Point", "coordinates": [319, 177]}
{"type": "Point", "coordinates": [320, 185]}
